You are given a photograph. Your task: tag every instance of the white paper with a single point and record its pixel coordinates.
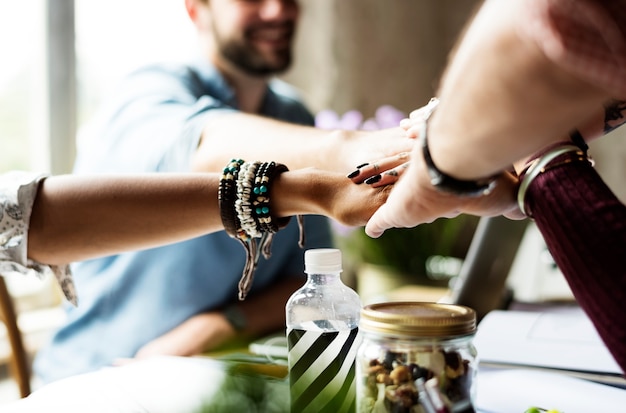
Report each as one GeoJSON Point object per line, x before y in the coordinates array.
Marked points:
{"type": "Point", "coordinates": [561, 340]}
{"type": "Point", "coordinates": [515, 390]}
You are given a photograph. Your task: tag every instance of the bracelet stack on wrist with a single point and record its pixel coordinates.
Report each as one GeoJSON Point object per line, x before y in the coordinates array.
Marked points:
{"type": "Point", "coordinates": [245, 210]}
{"type": "Point", "coordinates": [552, 158]}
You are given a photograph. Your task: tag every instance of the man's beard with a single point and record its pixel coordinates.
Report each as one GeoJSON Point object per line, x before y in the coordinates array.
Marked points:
{"type": "Point", "coordinates": [246, 58]}
{"type": "Point", "coordinates": [253, 63]}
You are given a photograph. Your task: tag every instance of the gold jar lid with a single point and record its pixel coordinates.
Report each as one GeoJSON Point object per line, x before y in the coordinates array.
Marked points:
{"type": "Point", "coordinates": [418, 319]}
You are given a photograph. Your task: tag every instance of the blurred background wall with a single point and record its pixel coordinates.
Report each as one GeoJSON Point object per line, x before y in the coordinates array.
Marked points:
{"type": "Point", "coordinates": [361, 54]}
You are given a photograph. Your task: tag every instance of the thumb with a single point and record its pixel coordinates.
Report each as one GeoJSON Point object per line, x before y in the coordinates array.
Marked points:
{"type": "Point", "coordinates": [377, 224]}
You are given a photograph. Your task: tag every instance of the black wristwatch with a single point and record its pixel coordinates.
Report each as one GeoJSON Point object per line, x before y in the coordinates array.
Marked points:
{"type": "Point", "coordinates": [444, 182]}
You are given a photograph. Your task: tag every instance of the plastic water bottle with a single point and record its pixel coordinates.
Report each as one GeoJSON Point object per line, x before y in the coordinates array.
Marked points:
{"type": "Point", "coordinates": [322, 335]}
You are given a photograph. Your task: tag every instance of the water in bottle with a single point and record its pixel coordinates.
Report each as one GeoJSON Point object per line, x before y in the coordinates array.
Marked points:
{"type": "Point", "coordinates": [323, 336]}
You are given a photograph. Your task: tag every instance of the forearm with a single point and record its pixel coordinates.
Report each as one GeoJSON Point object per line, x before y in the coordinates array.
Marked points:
{"type": "Point", "coordinates": [502, 98]}
{"type": "Point", "coordinates": [102, 215]}
{"type": "Point", "coordinates": [253, 137]}
{"type": "Point", "coordinates": [78, 217]}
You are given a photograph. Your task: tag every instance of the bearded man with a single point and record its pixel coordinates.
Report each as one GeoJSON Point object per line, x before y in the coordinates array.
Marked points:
{"type": "Point", "coordinates": [182, 299]}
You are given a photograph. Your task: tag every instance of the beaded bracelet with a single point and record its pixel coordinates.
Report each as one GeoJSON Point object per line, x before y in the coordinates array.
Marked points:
{"type": "Point", "coordinates": [227, 194]}
{"type": "Point", "coordinates": [542, 164]}
{"type": "Point", "coordinates": [260, 196]}
{"type": "Point", "coordinates": [227, 197]}
{"type": "Point", "coordinates": [261, 200]}
{"type": "Point", "coordinates": [244, 204]}
{"type": "Point", "coordinates": [249, 225]}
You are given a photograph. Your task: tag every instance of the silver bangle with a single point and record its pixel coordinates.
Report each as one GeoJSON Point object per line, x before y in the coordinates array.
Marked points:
{"type": "Point", "coordinates": [537, 167]}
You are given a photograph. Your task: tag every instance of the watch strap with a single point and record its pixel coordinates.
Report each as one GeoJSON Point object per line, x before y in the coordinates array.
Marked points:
{"type": "Point", "coordinates": [443, 181]}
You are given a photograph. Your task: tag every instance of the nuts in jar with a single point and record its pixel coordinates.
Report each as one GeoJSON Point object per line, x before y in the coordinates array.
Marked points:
{"type": "Point", "coordinates": [416, 357]}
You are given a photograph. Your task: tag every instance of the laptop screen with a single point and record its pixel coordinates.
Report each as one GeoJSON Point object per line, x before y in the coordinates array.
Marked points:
{"type": "Point", "coordinates": [482, 279]}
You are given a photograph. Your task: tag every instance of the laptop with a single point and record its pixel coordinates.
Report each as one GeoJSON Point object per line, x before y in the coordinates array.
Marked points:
{"type": "Point", "coordinates": [481, 283]}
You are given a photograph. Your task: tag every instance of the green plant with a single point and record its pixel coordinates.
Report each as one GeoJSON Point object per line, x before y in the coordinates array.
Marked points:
{"type": "Point", "coordinates": [406, 249]}
{"type": "Point", "coordinates": [250, 384]}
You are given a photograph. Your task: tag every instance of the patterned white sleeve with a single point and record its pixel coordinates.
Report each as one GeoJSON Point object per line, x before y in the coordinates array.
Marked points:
{"type": "Point", "coordinates": [17, 194]}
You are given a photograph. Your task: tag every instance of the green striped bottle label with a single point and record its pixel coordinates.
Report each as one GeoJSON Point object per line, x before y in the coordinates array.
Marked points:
{"type": "Point", "coordinates": [322, 370]}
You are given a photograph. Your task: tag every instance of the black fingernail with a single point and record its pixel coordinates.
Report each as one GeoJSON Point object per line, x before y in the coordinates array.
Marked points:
{"type": "Point", "coordinates": [373, 179]}
{"type": "Point", "coordinates": [354, 173]}
{"type": "Point", "coordinates": [362, 165]}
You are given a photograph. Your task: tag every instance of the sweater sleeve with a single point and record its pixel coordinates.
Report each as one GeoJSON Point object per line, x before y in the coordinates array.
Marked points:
{"type": "Point", "coordinates": [584, 226]}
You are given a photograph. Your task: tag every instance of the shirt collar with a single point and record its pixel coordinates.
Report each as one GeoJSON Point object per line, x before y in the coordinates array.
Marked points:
{"type": "Point", "coordinates": [217, 86]}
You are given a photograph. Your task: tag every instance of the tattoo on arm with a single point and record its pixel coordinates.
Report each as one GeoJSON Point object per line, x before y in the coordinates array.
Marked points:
{"type": "Point", "coordinates": [614, 115]}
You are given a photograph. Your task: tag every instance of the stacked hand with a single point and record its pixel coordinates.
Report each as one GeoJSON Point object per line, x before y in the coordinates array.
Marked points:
{"type": "Point", "coordinates": [414, 200]}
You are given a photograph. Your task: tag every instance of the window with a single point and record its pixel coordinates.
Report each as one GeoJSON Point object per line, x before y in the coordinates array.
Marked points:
{"type": "Point", "coordinates": [113, 37]}
{"type": "Point", "coordinates": [59, 59]}
{"type": "Point", "coordinates": [21, 45]}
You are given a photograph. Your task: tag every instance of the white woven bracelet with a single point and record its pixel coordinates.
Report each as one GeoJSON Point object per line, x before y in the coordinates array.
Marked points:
{"type": "Point", "coordinates": [243, 206]}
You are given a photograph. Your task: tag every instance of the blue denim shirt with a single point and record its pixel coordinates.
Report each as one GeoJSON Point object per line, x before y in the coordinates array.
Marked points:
{"type": "Point", "coordinates": [154, 123]}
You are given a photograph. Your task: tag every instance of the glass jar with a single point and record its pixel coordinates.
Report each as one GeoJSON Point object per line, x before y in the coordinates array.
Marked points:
{"type": "Point", "coordinates": [416, 354]}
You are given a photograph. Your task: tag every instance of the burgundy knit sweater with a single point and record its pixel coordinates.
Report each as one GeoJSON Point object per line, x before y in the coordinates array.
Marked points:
{"type": "Point", "coordinates": [584, 226]}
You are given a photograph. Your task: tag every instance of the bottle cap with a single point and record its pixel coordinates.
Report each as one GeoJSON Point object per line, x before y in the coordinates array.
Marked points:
{"type": "Point", "coordinates": [322, 261]}
{"type": "Point", "coordinates": [418, 319]}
